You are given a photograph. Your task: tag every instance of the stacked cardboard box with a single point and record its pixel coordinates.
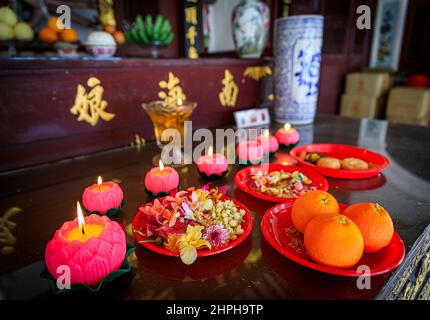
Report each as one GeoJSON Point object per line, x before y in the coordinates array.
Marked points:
{"type": "Point", "coordinates": [409, 105]}
{"type": "Point", "coordinates": [365, 95]}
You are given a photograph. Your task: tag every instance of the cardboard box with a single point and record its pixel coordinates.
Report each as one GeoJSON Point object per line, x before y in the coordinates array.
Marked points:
{"type": "Point", "coordinates": [412, 103]}
{"type": "Point", "coordinates": [409, 120]}
{"type": "Point", "coordinates": [368, 84]}
{"type": "Point", "coordinates": [359, 106]}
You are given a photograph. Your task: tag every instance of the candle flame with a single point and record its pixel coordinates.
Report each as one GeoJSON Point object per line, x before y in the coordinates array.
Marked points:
{"type": "Point", "coordinates": [210, 151]}
{"type": "Point", "coordinates": [266, 133]}
{"type": "Point", "coordinates": [99, 181]}
{"type": "Point", "coordinates": [161, 165]}
{"type": "Point", "coordinates": [287, 126]}
{"type": "Point", "coordinates": [81, 220]}
{"type": "Point", "coordinates": [179, 102]}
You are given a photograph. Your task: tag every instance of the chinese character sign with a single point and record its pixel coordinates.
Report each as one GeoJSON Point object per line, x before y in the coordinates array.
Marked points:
{"type": "Point", "coordinates": [230, 90]}
{"type": "Point", "coordinates": [172, 90]}
{"type": "Point", "coordinates": [192, 19]}
{"type": "Point", "coordinates": [90, 107]}
{"type": "Point", "coordinates": [7, 239]}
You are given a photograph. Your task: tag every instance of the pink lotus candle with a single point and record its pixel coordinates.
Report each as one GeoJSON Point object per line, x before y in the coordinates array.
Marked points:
{"type": "Point", "coordinates": [249, 152]}
{"type": "Point", "coordinates": [269, 143]}
{"type": "Point", "coordinates": [161, 180]}
{"type": "Point", "coordinates": [212, 165]}
{"type": "Point", "coordinates": [92, 247]}
{"type": "Point", "coordinates": [287, 135]}
{"type": "Point", "coordinates": [102, 196]}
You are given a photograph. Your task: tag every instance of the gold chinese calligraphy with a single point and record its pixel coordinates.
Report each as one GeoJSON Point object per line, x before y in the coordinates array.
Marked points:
{"type": "Point", "coordinates": [229, 91]}
{"type": "Point", "coordinates": [90, 107]}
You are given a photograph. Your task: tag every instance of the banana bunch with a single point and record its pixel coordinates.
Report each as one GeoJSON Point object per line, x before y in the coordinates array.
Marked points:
{"type": "Point", "coordinates": [147, 32]}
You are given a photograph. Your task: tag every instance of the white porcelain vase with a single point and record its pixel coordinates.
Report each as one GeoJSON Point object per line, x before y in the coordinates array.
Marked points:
{"type": "Point", "coordinates": [297, 58]}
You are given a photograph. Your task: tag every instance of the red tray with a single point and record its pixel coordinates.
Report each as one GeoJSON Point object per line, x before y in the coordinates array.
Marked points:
{"type": "Point", "coordinates": [244, 181]}
{"type": "Point", "coordinates": [246, 226]}
{"type": "Point", "coordinates": [342, 151]}
{"type": "Point", "coordinates": [278, 230]}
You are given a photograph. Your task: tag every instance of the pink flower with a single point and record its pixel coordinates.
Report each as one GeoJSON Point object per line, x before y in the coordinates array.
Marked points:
{"type": "Point", "coordinates": [217, 235]}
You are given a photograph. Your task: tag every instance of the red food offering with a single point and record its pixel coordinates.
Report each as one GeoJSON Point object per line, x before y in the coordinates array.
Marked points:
{"type": "Point", "coordinates": [277, 182]}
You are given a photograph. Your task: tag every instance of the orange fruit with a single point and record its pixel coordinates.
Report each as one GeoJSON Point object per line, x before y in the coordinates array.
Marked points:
{"type": "Point", "coordinates": [52, 23]}
{"type": "Point", "coordinates": [69, 35]}
{"type": "Point", "coordinates": [119, 37]}
{"type": "Point", "coordinates": [48, 35]}
{"type": "Point", "coordinates": [334, 240]}
{"type": "Point", "coordinates": [310, 205]}
{"type": "Point", "coordinates": [109, 28]}
{"type": "Point", "coordinates": [374, 222]}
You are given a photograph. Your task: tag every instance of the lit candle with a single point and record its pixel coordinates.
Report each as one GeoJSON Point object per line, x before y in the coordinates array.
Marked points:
{"type": "Point", "coordinates": [287, 136]}
{"type": "Point", "coordinates": [102, 196]}
{"type": "Point", "coordinates": [285, 159]}
{"type": "Point", "coordinates": [161, 180]}
{"type": "Point", "coordinates": [269, 143]}
{"type": "Point", "coordinates": [212, 165]}
{"type": "Point", "coordinates": [91, 247]}
{"type": "Point", "coordinates": [249, 152]}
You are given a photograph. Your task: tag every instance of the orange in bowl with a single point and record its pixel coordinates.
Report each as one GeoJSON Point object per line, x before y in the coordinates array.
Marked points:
{"type": "Point", "coordinates": [374, 222]}
{"type": "Point", "coordinates": [69, 35]}
{"type": "Point", "coordinates": [334, 240]}
{"type": "Point", "coordinates": [48, 35]}
{"type": "Point", "coordinates": [310, 205]}
{"type": "Point", "coordinates": [52, 23]}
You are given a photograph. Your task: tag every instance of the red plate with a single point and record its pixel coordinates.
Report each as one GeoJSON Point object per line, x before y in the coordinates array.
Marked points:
{"type": "Point", "coordinates": [244, 181]}
{"type": "Point", "coordinates": [246, 226]}
{"type": "Point", "coordinates": [342, 151]}
{"type": "Point", "coordinates": [278, 229]}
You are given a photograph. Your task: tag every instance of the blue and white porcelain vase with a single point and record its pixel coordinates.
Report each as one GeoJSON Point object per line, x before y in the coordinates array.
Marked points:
{"type": "Point", "coordinates": [250, 25]}
{"type": "Point", "coordinates": [297, 52]}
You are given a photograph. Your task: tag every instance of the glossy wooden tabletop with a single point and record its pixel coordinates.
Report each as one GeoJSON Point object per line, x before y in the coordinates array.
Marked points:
{"type": "Point", "coordinates": [45, 196]}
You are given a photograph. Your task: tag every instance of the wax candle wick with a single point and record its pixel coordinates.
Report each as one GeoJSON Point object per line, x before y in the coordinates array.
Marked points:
{"type": "Point", "coordinates": [83, 229]}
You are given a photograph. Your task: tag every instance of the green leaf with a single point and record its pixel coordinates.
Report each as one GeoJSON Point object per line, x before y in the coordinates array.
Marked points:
{"type": "Point", "coordinates": [110, 212]}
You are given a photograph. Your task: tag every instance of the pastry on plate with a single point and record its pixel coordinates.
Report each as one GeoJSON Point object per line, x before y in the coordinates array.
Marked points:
{"type": "Point", "coordinates": [327, 162]}
{"type": "Point", "coordinates": [354, 164]}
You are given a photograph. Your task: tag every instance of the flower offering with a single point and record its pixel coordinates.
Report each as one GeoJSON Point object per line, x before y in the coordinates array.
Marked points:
{"type": "Point", "coordinates": [192, 220]}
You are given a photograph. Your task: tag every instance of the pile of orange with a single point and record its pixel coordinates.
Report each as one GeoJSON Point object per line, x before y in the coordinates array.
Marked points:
{"type": "Point", "coordinates": [55, 31]}
{"type": "Point", "coordinates": [339, 240]}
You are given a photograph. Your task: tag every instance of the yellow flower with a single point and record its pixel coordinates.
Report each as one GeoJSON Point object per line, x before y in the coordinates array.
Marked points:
{"type": "Point", "coordinates": [172, 242]}
{"type": "Point", "coordinates": [190, 242]}
{"type": "Point", "coordinates": [193, 237]}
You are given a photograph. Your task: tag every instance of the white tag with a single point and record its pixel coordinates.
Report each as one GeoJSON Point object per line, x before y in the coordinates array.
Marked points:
{"type": "Point", "coordinates": [252, 118]}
